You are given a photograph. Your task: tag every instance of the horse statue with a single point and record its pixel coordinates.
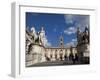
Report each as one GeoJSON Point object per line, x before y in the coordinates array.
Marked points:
{"type": "Point", "coordinates": [38, 38]}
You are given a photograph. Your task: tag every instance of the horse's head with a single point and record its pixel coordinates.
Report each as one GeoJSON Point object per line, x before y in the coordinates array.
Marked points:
{"type": "Point", "coordinates": [33, 30]}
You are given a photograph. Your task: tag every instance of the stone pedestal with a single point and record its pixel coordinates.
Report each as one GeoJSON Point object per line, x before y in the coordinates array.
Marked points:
{"type": "Point", "coordinates": [37, 54]}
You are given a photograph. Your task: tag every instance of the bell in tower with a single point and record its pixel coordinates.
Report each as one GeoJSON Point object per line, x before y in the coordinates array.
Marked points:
{"type": "Point", "coordinates": [61, 42]}
{"type": "Point", "coordinates": [78, 31]}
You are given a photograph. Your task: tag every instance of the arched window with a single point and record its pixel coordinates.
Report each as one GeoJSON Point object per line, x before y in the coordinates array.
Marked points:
{"type": "Point", "coordinates": [61, 54]}
{"type": "Point", "coordinates": [55, 54]}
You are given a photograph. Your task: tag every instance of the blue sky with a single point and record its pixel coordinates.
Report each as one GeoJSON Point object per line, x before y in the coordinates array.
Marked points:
{"type": "Point", "coordinates": [56, 25]}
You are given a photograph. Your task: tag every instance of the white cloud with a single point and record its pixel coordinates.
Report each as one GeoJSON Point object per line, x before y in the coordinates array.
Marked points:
{"type": "Point", "coordinates": [69, 19]}
{"type": "Point", "coordinates": [80, 21]}
{"type": "Point", "coordinates": [74, 40]}
{"type": "Point", "coordinates": [73, 43]}
{"type": "Point", "coordinates": [70, 30]}
{"type": "Point", "coordinates": [70, 44]}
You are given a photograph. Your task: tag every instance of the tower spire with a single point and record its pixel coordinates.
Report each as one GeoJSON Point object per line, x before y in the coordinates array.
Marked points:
{"type": "Point", "coordinates": [61, 41]}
